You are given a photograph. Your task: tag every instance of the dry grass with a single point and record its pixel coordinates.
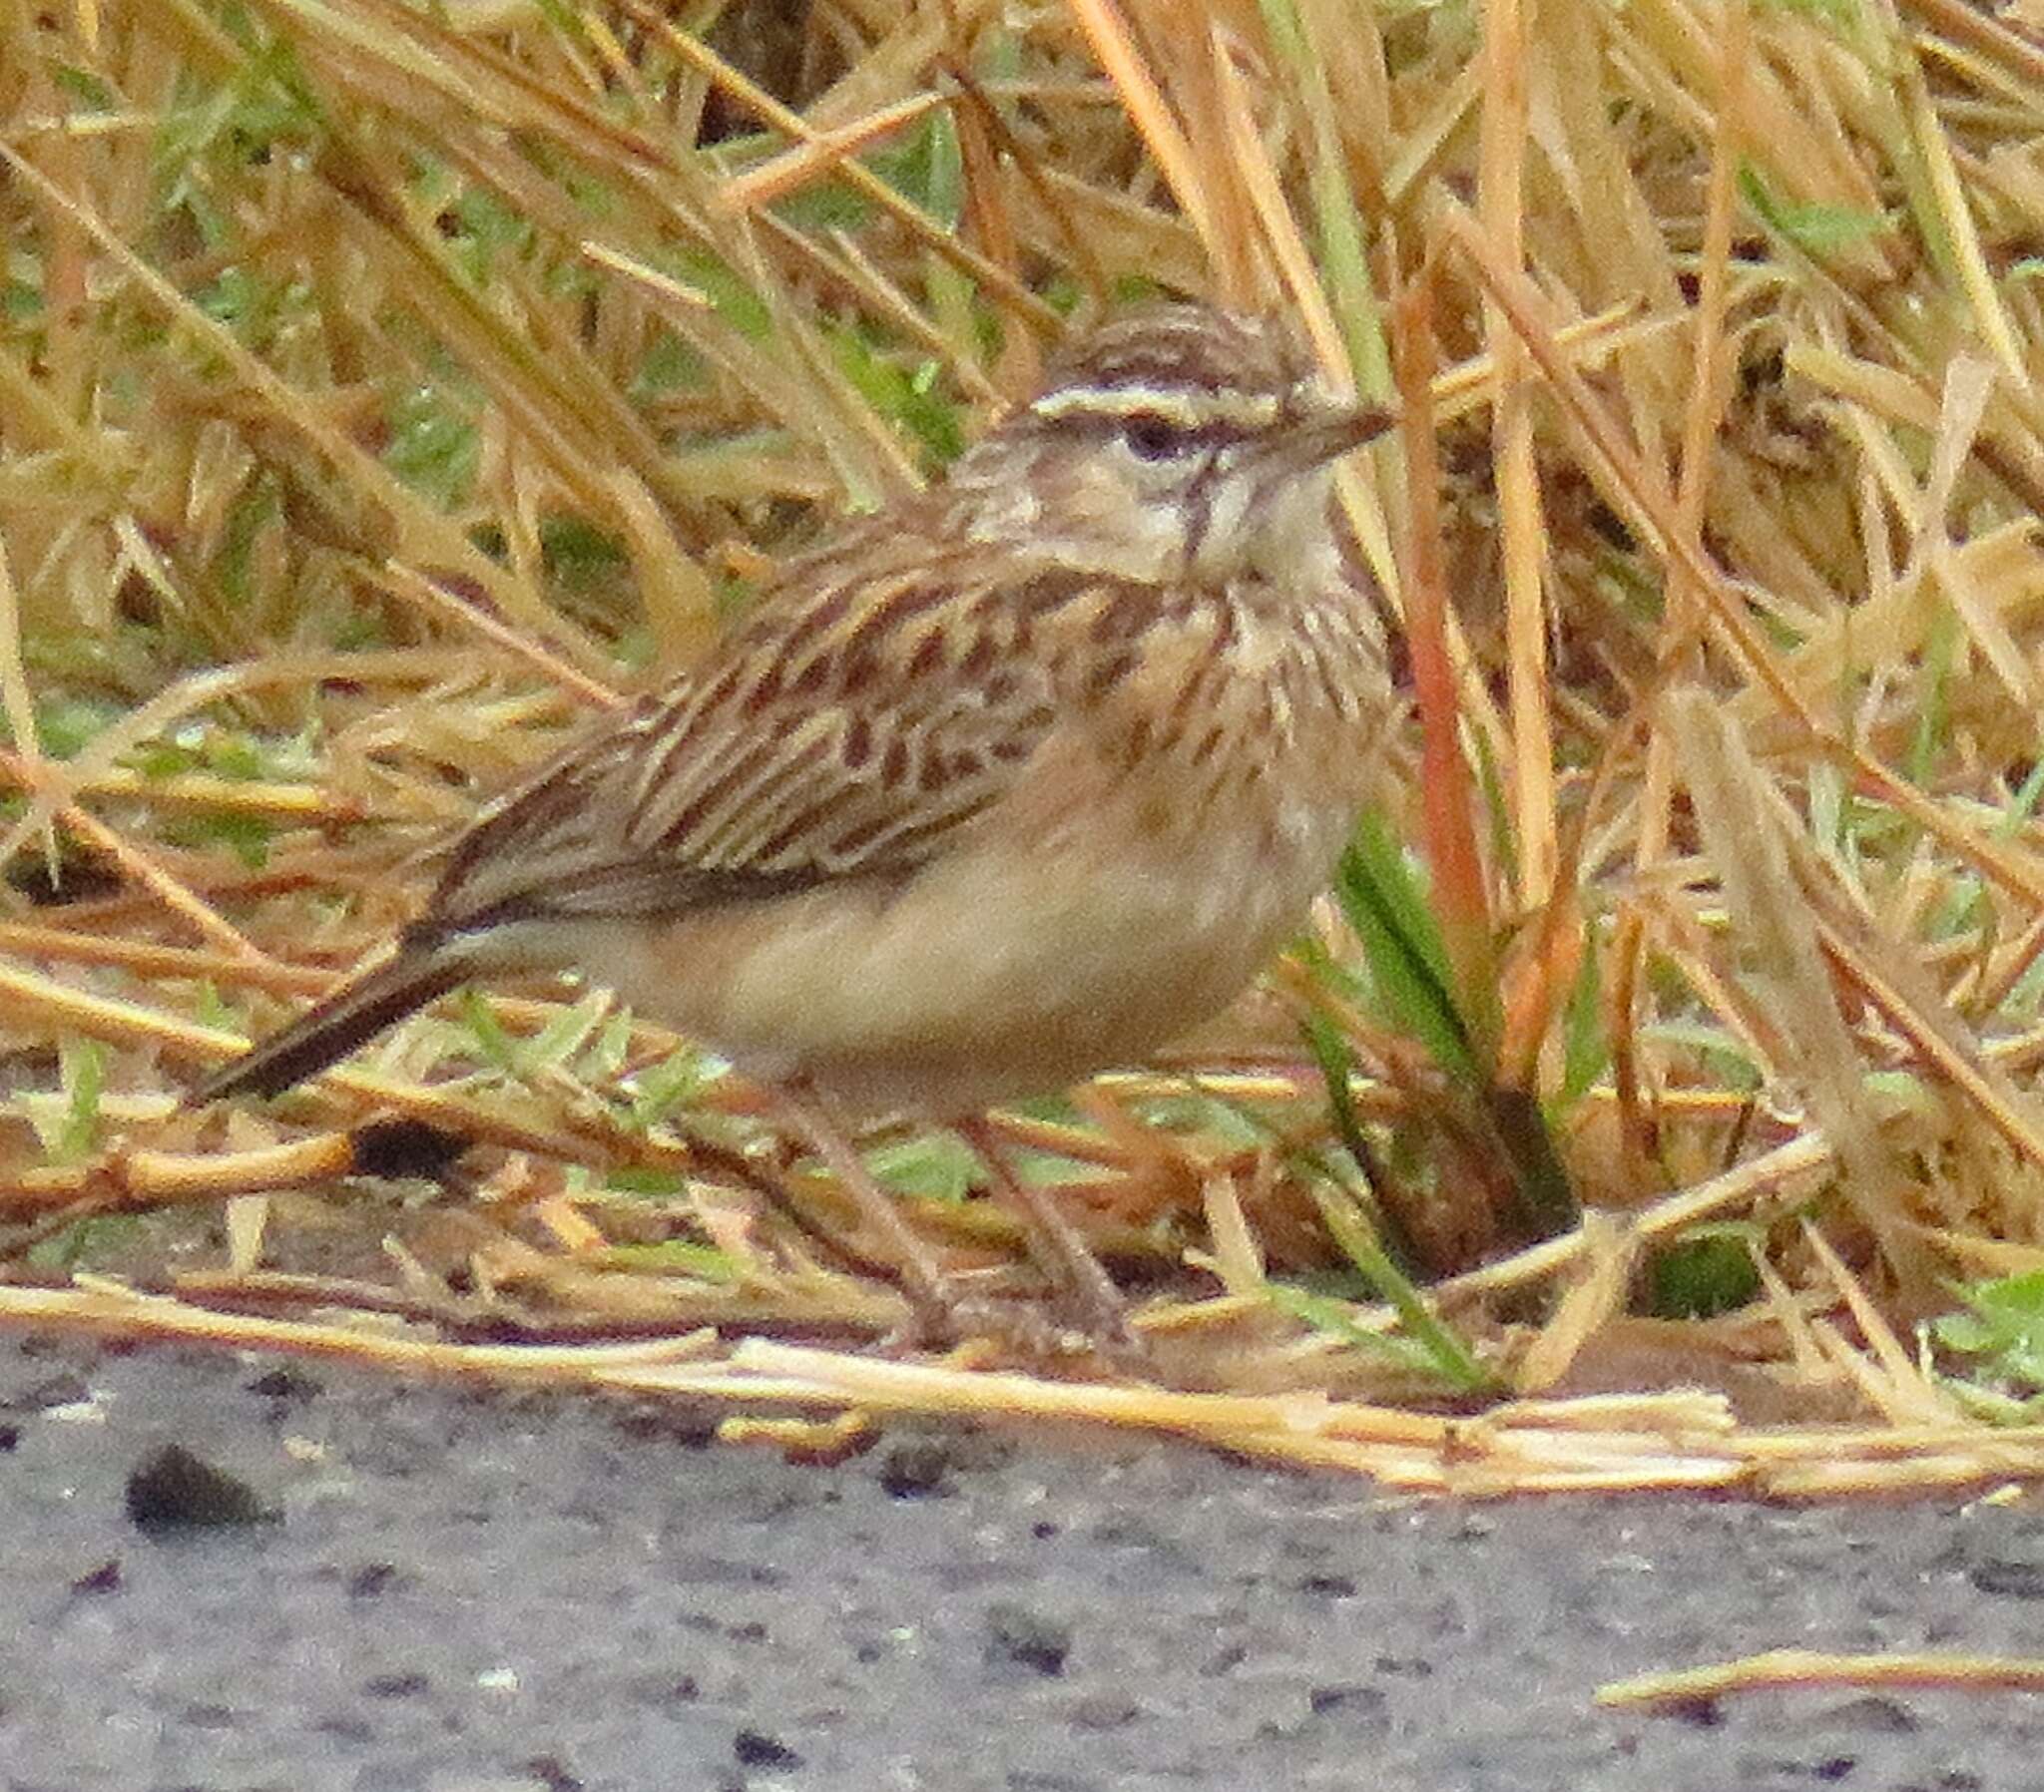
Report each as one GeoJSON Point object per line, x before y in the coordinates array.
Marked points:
{"type": "Point", "coordinates": [385, 389]}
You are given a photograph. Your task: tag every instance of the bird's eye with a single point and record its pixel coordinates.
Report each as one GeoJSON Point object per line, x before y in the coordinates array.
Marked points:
{"type": "Point", "coordinates": [1151, 438]}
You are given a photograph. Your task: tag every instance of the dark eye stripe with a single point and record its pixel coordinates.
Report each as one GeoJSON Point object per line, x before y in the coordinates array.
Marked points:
{"type": "Point", "coordinates": [1154, 435]}
{"type": "Point", "coordinates": [1154, 438]}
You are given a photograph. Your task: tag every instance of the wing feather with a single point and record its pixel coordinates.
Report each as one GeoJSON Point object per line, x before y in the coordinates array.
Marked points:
{"type": "Point", "coordinates": [832, 737]}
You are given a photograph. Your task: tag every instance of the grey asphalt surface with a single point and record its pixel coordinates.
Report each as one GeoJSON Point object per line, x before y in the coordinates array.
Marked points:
{"type": "Point", "coordinates": [479, 1593]}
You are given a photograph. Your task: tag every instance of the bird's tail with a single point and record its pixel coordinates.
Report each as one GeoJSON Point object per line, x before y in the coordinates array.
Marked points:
{"type": "Point", "coordinates": [372, 1000]}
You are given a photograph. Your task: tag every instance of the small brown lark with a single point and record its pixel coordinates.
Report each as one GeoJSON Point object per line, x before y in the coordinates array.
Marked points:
{"type": "Point", "coordinates": [1006, 785]}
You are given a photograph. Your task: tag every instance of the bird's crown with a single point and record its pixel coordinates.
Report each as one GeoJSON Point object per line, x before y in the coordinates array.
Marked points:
{"type": "Point", "coordinates": [1192, 375]}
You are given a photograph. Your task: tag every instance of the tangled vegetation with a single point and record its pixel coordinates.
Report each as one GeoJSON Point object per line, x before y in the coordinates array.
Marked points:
{"type": "Point", "coordinates": [387, 388]}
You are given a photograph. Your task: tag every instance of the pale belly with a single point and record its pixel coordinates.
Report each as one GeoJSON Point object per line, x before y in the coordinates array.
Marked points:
{"type": "Point", "coordinates": [991, 976]}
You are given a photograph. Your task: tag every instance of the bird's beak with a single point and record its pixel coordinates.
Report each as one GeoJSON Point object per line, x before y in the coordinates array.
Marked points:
{"type": "Point", "coordinates": [1332, 430]}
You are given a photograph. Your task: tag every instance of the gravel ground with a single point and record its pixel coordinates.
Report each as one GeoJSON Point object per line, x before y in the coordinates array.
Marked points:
{"type": "Point", "coordinates": [477, 1593]}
